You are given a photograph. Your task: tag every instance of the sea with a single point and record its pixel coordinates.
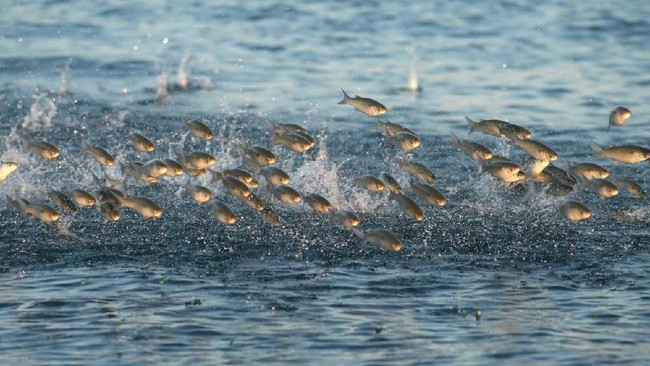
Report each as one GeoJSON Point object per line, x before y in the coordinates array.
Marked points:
{"type": "Point", "coordinates": [497, 276]}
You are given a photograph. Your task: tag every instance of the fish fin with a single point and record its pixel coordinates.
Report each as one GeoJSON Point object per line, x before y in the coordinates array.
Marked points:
{"type": "Point", "coordinates": [358, 233]}
{"type": "Point", "coordinates": [595, 147]}
{"type": "Point", "coordinates": [345, 97]}
{"type": "Point", "coordinates": [472, 125]}
{"type": "Point", "coordinates": [454, 140]}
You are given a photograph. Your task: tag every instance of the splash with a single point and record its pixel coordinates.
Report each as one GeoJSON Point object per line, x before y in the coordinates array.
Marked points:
{"type": "Point", "coordinates": [162, 90]}
{"type": "Point", "coordinates": [63, 88]}
{"type": "Point", "coordinates": [182, 77]}
{"type": "Point", "coordinates": [413, 82]}
{"type": "Point", "coordinates": [41, 113]}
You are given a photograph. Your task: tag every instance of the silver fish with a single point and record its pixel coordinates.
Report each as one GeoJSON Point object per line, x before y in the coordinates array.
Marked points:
{"type": "Point", "coordinates": [630, 154]}
{"type": "Point", "coordinates": [41, 211]}
{"type": "Point", "coordinates": [256, 156]}
{"type": "Point", "coordinates": [199, 193]}
{"type": "Point", "coordinates": [198, 160]}
{"type": "Point", "coordinates": [388, 128]}
{"type": "Point", "coordinates": [141, 143]}
{"type": "Point", "coordinates": [100, 155]}
{"type": "Point", "coordinates": [286, 194]}
{"type": "Point", "coordinates": [110, 211]}
{"type": "Point", "coordinates": [428, 194]}
{"type": "Point", "coordinates": [474, 150]}
{"type": "Point", "coordinates": [243, 176]}
{"type": "Point", "coordinates": [222, 212]}
{"type": "Point", "coordinates": [317, 203]}
{"type": "Point", "coordinates": [142, 205]}
{"type": "Point", "coordinates": [536, 149]}
{"type": "Point", "coordinates": [275, 176]}
{"type": "Point", "coordinates": [587, 170]}
{"type": "Point", "coordinates": [62, 201]}
{"type": "Point", "coordinates": [174, 168]}
{"type": "Point", "coordinates": [575, 211]}
{"type": "Point", "coordinates": [306, 136]}
{"type": "Point", "coordinates": [284, 128]}
{"type": "Point", "coordinates": [505, 171]}
{"type": "Point", "coordinates": [83, 198]}
{"type": "Point", "coordinates": [233, 185]}
{"type": "Point", "coordinates": [418, 170]}
{"type": "Point", "coordinates": [153, 168]}
{"type": "Point", "coordinates": [404, 140]}
{"type": "Point", "coordinates": [133, 170]}
{"type": "Point", "coordinates": [253, 201]}
{"type": "Point", "coordinates": [293, 141]}
{"type": "Point", "coordinates": [369, 182]}
{"type": "Point", "coordinates": [618, 116]}
{"type": "Point", "coordinates": [512, 131]}
{"type": "Point", "coordinates": [270, 216]}
{"type": "Point", "coordinates": [489, 127]}
{"type": "Point", "coordinates": [631, 186]}
{"type": "Point", "coordinates": [537, 167]}
{"type": "Point", "coordinates": [6, 168]}
{"type": "Point", "coordinates": [346, 218]}
{"type": "Point", "coordinates": [385, 239]}
{"type": "Point", "coordinates": [43, 148]}
{"type": "Point", "coordinates": [408, 206]}
{"type": "Point", "coordinates": [603, 187]}
{"type": "Point", "coordinates": [199, 129]}
{"type": "Point", "coordinates": [368, 106]}
{"type": "Point", "coordinates": [390, 182]}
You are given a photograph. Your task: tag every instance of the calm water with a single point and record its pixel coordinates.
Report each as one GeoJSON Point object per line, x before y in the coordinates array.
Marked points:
{"type": "Point", "coordinates": [185, 289]}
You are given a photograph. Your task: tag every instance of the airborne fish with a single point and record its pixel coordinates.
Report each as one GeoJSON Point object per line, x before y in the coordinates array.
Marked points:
{"type": "Point", "coordinates": [418, 170]}
{"type": "Point", "coordinates": [603, 187]}
{"type": "Point", "coordinates": [368, 106]}
{"type": "Point", "coordinates": [286, 194]}
{"type": "Point", "coordinates": [385, 239]}
{"type": "Point", "coordinates": [630, 154]}
{"type": "Point", "coordinates": [199, 193]}
{"type": "Point", "coordinates": [275, 176]}
{"type": "Point", "coordinates": [222, 212]}
{"type": "Point", "coordinates": [346, 218]}
{"type": "Point", "coordinates": [243, 176]}
{"type": "Point", "coordinates": [141, 143]}
{"type": "Point", "coordinates": [390, 182]}
{"type": "Point", "coordinates": [388, 128]}
{"type": "Point", "coordinates": [408, 206]}
{"type": "Point", "coordinates": [575, 211]}
{"type": "Point", "coordinates": [536, 149]}
{"type": "Point", "coordinates": [370, 183]}
{"type": "Point", "coordinates": [404, 140]}
{"type": "Point", "coordinates": [295, 142]}
{"type": "Point", "coordinates": [6, 168]}
{"type": "Point", "coordinates": [587, 170]}
{"type": "Point", "coordinates": [618, 116]}
{"type": "Point", "coordinates": [317, 203]}
{"type": "Point", "coordinates": [100, 155]}
{"type": "Point", "coordinates": [40, 211]}
{"type": "Point", "coordinates": [474, 150]}
{"type": "Point", "coordinates": [43, 148]}
{"type": "Point", "coordinates": [62, 201]}
{"type": "Point", "coordinates": [631, 186]}
{"type": "Point", "coordinates": [199, 129]}
{"type": "Point", "coordinates": [429, 194]}
{"type": "Point", "coordinates": [83, 198]}
{"type": "Point", "coordinates": [488, 127]}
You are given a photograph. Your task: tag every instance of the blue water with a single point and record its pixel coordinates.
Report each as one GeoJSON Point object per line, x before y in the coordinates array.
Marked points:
{"type": "Point", "coordinates": [492, 278]}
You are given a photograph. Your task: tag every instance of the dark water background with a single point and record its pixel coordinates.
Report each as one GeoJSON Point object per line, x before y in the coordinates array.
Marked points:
{"type": "Point", "coordinates": [185, 289]}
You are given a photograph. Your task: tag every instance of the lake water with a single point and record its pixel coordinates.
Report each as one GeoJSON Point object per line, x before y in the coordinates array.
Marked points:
{"type": "Point", "coordinates": [494, 277]}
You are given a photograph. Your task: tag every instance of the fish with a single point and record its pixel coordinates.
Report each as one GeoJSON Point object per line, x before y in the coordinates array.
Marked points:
{"type": "Point", "coordinates": [489, 127]}
{"type": "Point", "coordinates": [370, 183]}
{"type": "Point", "coordinates": [174, 168]}
{"type": "Point", "coordinates": [630, 154]}
{"type": "Point", "coordinates": [6, 168]}
{"type": "Point", "coordinates": [153, 168]}
{"type": "Point", "coordinates": [390, 182]}
{"type": "Point", "coordinates": [253, 201]}
{"type": "Point", "coordinates": [368, 106]}
{"type": "Point", "coordinates": [344, 217]}
{"type": "Point", "coordinates": [404, 140]}
{"type": "Point", "coordinates": [560, 175]}
{"type": "Point", "coordinates": [257, 156]}
{"type": "Point", "coordinates": [587, 171]}
{"type": "Point", "coordinates": [284, 128]}
{"type": "Point", "coordinates": [198, 160]}
{"type": "Point", "coordinates": [306, 136]}
{"type": "Point", "coordinates": [317, 203]}
{"type": "Point", "coordinates": [631, 186]}
{"type": "Point", "coordinates": [385, 239]}
{"type": "Point", "coordinates": [537, 167]}
{"type": "Point", "coordinates": [134, 170]}
{"type": "Point", "coordinates": [575, 211]}
{"type": "Point", "coordinates": [286, 194]}
{"type": "Point", "coordinates": [233, 185]}
{"type": "Point", "coordinates": [83, 198]}
{"type": "Point", "coordinates": [41, 211]}
{"type": "Point", "coordinates": [512, 131]}
{"type": "Point", "coordinates": [199, 129]}
{"type": "Point", "coordinates": [275, 176]}
{"type": "Point", "coordinates": [43, 148]}
{"type": "Point", "coordinates": [388, 128]}
{"type": "Point", "coordinates": [295, 142]}
{"type": "Point", "coordinates": [408, 206]}
{"type": "Point", "coordinates": [144, 206]}
{"type": "Point", "coordinates": [536, 149]}
{"type": "Point", "coordinates": [100, 155]}
{"type": "Point", "coordinates": [62, 201]}
{"type": "Point", "coordinates": [428, 194]}
{"type": "Point", "coordinates": [199, 193]}
{"type": "Point", "coordinates": [110, 211]}
{"type": "Point", "coordinates": [243, 176]}
{"type": "Point", "coordinates": [418, 170]}
{"type": "Point", "coordinates": [270, 216]}
{"type": "Point", "coordinates": [618, 116]}
{"type": "Point", "coordinates": [474, 150]}
{"type": "Point", "coordinates": [603, 187]}
{"type": "Point", "coordinates": [222, 212]}
{"type": "Point", "coordinates": [141, 143]}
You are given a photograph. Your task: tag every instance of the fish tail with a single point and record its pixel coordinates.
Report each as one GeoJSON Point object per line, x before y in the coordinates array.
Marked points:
{"type": "Point", "coordinates": [454, 140]}
{"type": "Point", "coordinates": [595, 147]}
{"type": "Point", "coordinates": [472, 125]}
{"type": "Point", "coordinates": [345, 98]}
{"type": "Point", "coordinates": [358, 233]}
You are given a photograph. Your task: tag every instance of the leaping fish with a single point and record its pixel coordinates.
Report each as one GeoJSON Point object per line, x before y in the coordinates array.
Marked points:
{"type": "Point", "coordinates": [368, 106]}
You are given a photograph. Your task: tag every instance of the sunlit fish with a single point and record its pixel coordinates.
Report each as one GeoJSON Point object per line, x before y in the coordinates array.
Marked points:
{"type": "Point", "coordinates": [385, 239]}
{"type": "Point", "coordinates": [536, 167]}
{"type": "Point", "coordinates": [587, 170]}
{"type": "Point", "coordinates": [199, 129]}
{"type": "Point", "coordinates": [489, 127]}
{"type": "Point", "coordinates": [408, 206]}
{"type": "Point", "coordinates": [404, 140]}
{"type": "Point", "coordinates": [269, 215]}
{"type": "Point", "coordinates": [153, 168]}
{"type": "Point", "coordinates": [474, 150]}
{"type": "Point", "coordinates": [253, 201]}
{"type": "Point", "coordinates": [107, 194]}
{"type": "Point", "coordinates": [99, 154]}
{"type": "Point", "coordinates": [43, 148]}
{"type": "Point", "coordinates": [222, 212]}
{"type": "Point", "coordinates": [41, 211]}
{"type": "Point", "coordinates": [199, 193]}
{"type": "Point", "coordinates": [317, 203]}
{"type": "Point", "coordinates": [512, 131]}
{"type": "Point", "coordinates": [603, 187]}
{"type": "Point", "coordinates": [284, 128]}
{"type": "Point", "coordinates": [631, 186]}
{"type": "Point", "coordinates": [62, 201]}
{"type": "Point", "coordinates": [256, 156]}
{"type": "Point", "coordinates": [198, 160]}
{"type": "Point", "coordinates": [243, 176]}
{"type": "Point", "coordinates": [618, 116]}
{"type": "Point", "coordinates": [6, 168]}
{"type": "Point", "coordinates": [368, 106]}
{"type": "Point", "coordinates": [630, 154]}
{"type": "Point", "coordinates": [110, 211]}
{"type": "Point", "coordinates": [388, 128]}
{"type": "Point", "coordinates": [141, 143]}
{"type": "Point", "coordinates": [536, 149]}
{"type": "Point", "coordinates": [418, 170]}
{"type": "Point", "coordinates": [286, 194]}
{"type": "Point", "coordinates": [428, 194]}
{"type": "Point", "coordinates": [346, 218]}
{"type": "Point", "coordinates": [134, 170]}
{"type": "Point", "coordinates": [369, 182]}
{"type": "Point", "coordinates": [575, 211]}
{"type": "Point", "coordinates": [83, 198]}
{"type": "Point", "coordinates": [390, 182]}
{"type": "Point", "coordinates": [295, 142]}
{"type": "Point", "coordinates": [275, 176]}
{"type": "Point", "coordinates": [233, 185]}
{"type": "Point", "coordinates": [174, 168]}
{"type": "Point", "coordinates": [142, 205]}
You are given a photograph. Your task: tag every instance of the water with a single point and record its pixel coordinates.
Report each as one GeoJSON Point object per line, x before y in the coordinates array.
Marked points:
{"type": "Point", "coordinates": [494, 277]}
